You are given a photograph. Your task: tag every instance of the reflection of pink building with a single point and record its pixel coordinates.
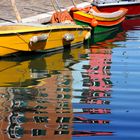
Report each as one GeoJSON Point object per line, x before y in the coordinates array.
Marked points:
{"type": "Point", "coordinates": [99, 70]}
{"type": "Point", "coordinates": [97, 79]}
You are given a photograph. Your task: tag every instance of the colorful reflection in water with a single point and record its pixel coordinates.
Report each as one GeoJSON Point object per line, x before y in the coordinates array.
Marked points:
{"type": "Point", "coordinates": [78, 94]}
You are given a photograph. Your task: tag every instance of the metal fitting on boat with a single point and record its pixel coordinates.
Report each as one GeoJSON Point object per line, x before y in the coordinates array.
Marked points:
{"type": "Point", "coordinates": [94, 23]}
{"type": "Point", "coordinates": [68, 37]}
{"type": "Point", "coordinates": [88, 35]}
{"type": "Point", "coordinates": [38, 38]}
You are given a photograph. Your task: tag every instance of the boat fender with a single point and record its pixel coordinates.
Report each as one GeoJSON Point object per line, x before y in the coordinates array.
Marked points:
{"type": "Point", "coordinates": [88, 35]}
{"type": "Point", "coordinates": [35, 39]}
{"type": "Point", "coordinates": [68, 37]}
{"type": "Point", "coordinates": [94, 23]}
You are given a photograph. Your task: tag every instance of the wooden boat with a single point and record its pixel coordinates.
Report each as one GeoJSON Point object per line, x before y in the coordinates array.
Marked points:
{"type": "Point", "coordinates": [106, 16]}
{"type": "Point", "coordinates": [133, 6]}
{"type": "Point", "coordinates": [42, 38]}
{"type": "Point", "coordinates": [17, 37]}
{"type": "Point", "coordinates": [102, 21]}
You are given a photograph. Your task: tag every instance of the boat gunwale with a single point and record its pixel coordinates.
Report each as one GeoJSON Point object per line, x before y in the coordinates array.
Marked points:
{"type": "Point", "coordinates": [115, 4]}
{"type": "Point", "coordinates": [100, 23]}
{"type": "Point", "coordinates": [43, 28]}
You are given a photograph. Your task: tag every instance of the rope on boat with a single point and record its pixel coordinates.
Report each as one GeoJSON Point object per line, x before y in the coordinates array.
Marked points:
{"type": "Point", "coordinates": [16, 11]}
{"type": "Point", "coordinates": [19, 35]}
{"type": "Point", "coordinates": [57, 3]}
{"type": "Point", "coordinates": [54, 5]}
{"type": "Point", "coordinates": [7, 20]}
{"type": "Point", "coordinates": [73, 2]}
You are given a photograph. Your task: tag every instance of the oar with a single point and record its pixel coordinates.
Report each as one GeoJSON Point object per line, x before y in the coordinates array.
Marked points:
{"type": "Point", "coordinates": [18, 17]}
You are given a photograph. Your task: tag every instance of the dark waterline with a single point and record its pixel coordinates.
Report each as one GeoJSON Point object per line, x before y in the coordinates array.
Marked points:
{"type": "Point", "coordinates": [82, 93]}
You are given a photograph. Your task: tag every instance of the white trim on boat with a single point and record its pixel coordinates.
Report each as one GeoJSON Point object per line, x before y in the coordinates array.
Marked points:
{"type": "Point", "coordinates": [116, 4]}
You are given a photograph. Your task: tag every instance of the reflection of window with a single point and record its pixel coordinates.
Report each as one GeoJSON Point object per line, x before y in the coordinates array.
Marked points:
{"type": "Point", "coordinates": [64, 89]}
{"type": "Point", "coordinates": [62, 96]}
{"type": "Point", "coordinates": [96, 83]}
{"type": "Point", "coordinates": [66, 82]}
{"type": "Point", "coordinates": [19, 103]}
{"type": "Point", "coordinates": [107, 81]}
{"type": "Point", "coordinates": [61, 132]}
{"type": "Point", "coordinates": [63, 126]}
{"type": "Point", "coordinates": [40, 107]}
{"type": "Point", "coordinates": [63, 104]}
{"type": "Point", "coordinates": [43, 95]}
{"type": "Point", "coordinates": [106, 70]}
{"type": "Point", "coordinates": [95, 68]}
{"type": "Point", "coordinates": [40, 119]}
{"type": "Point", "coordinates": [63, 119]}
{"type": "Point", "coordinates": [86, 66]}
{"type": "Point", "coordinates": [42, 100]}
{"type": "Point", "coordinates": [38, 132]}
{"type": "Point", "coordinates": [15, 131]}
{"type": "Point", "coordinates": [17, 118]}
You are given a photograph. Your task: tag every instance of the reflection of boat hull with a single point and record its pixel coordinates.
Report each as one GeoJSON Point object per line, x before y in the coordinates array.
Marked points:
{"type": "Point", "coordinates": [133, 7]}
{"type": "Point", "coordinates": [26, 69]}
{"type": "Point", "coordinates": [14, 38]}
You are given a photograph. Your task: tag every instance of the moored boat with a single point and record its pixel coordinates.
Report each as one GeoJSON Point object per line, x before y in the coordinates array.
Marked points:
{"type": "Point", "coordinates": [19, 36]}
{"type": "Point", "coordinates": [107, 16]}
{"type": "Point", "coordinates": [101, 21]}
{"type": "Point", "coordinates": [133, 6]}
{"type": "Point", "coordinates": [44, 38]}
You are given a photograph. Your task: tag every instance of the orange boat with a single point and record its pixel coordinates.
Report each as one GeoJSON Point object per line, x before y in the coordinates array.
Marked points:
{"type": "Point", "coordinates": [102, 22]}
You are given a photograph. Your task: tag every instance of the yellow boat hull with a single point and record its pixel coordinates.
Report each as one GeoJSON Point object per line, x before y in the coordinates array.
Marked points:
{"type": "Point", "coordinates": [14, 38]}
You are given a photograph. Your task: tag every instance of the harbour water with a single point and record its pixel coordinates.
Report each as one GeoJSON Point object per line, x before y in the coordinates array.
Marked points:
{"type": "Point", "coordinates": [76, 94]}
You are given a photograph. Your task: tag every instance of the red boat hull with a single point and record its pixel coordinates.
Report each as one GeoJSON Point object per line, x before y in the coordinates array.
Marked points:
{"type": "Point", "coordinates": [131, 24]}
{"type": "Point", "coordinates": [133, 10]}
